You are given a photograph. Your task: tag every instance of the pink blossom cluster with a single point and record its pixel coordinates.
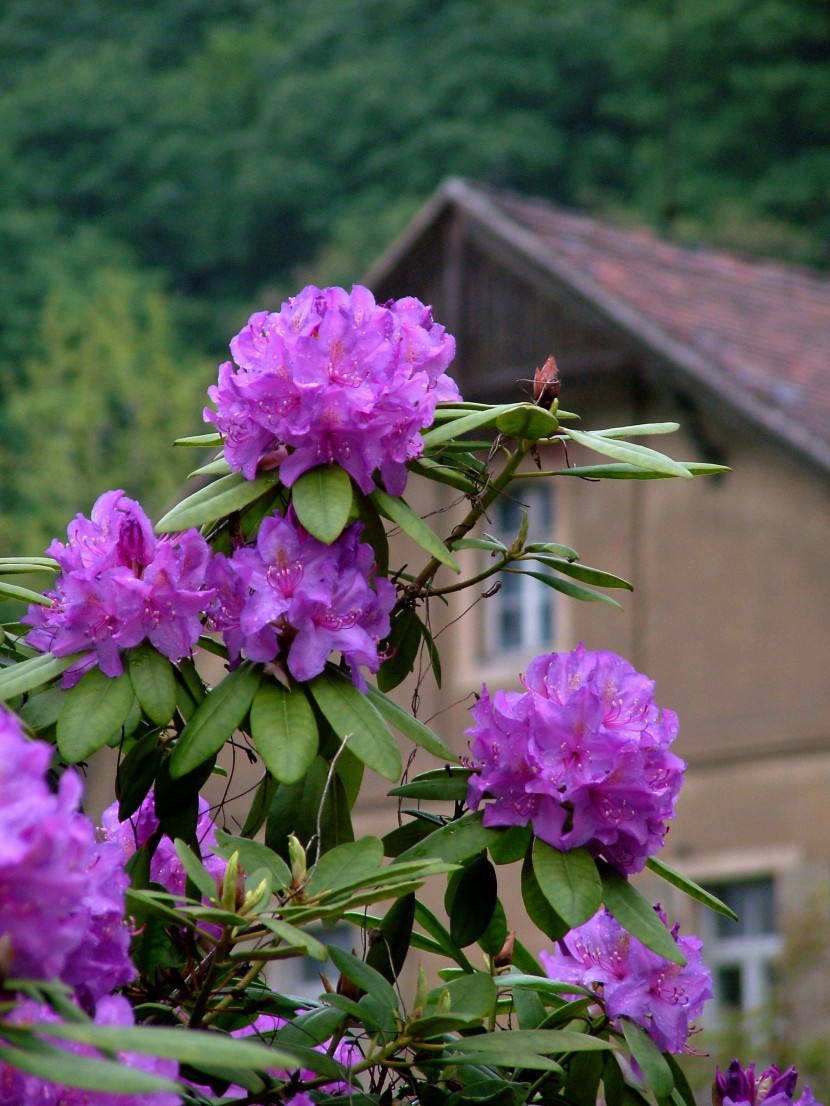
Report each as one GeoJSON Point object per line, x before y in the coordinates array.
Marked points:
{"type": "Point", "coordinates": [295, 599]}
{"type": "Point", "coordinates": [61, 891]}
{"type": "Point", "coordinates": [740, 1086]}
{"type": "Point", "coordinates": [582, 754]}
{"type": "Point", "coordinates": [632, 981]}
{"type": "Point", "coordinates": [165, 866]}
{"type": "Point", "coordinates": [118, 586]}
{"type": "Point", "coordinates": [18, 1088]}
{"type": "Point", "coordinates": [333, 377]}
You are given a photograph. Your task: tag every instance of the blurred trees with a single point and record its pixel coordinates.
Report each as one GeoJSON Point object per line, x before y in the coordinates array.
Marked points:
{"type": "Point", "coordinates": [235, 147]}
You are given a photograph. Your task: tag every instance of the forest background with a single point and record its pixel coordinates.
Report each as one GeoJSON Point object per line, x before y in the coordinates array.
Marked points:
{"type": "Point", "coordinates": [167, 167]}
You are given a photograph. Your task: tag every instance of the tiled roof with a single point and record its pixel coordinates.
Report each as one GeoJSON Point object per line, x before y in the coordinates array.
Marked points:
{"type": "Point", "coordinates": [754, 332]}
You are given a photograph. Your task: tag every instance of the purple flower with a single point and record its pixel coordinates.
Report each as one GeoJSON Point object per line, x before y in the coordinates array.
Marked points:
{"type": "Point", "coordinates": [740, 1086]}
{"type": "Point", "coordinates": [631, 980]}
{"type": "Point", "coordinates": [331, 378]}
{"type": "Point", "coordinates": [61, 891]}
{"type": "Point", "coordinates": [18, 1088]}
{"type": "Point", "coordinates": [582, 754]}
{"type": "Point", "coordinates": [120, 585]}
{"type": "Point", "coordinates": [295, 599]}
{"type": "Point", "coordinates": [165, 866]}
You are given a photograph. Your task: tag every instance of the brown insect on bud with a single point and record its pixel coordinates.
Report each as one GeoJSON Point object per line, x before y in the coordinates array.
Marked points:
{"type": "Point", "coordinates": [546, 383]}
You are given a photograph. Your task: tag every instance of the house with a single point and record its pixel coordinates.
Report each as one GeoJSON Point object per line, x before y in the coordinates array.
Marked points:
{"type": "Point", "coordinates": [731, 612]}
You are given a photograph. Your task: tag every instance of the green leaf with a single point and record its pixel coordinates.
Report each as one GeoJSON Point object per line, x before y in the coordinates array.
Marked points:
{"type": "Point", "coordinates": [136, 773]}
{"type": "Point", "coordinates": [443, 474]}
{"type": "Point", "coordinates": [623, 471]}
{"type": "Point", "coordinates": [636, 914]}
{"type": "Point", "coordinates": [284, 730]}
{"type": "Point", "coordinates": [25, 595]}
{"type": "Point", "coordinates": [258, 811]}
{"type": "Point", "coordinates": [449, 783]}
{"type": "Point", "coordinates": [219, 467]}
{"type": "Point", "coordinates": [253, 855]}
{"type": "Point", "coordinates": [638, 455]}
{"type": "Point", "coordinates": [454, 842]}
{"type": "Point", "coordinates": [296, 808]}
{"type": "Point", "coordinates": [585, 573]}
{"type": "Point", "coordinates": [351, 715]}
{"type": "Point", "coordinates": [427, 920]}
{"type": "Point", "coordinates": [29, 674]}
{"type": "Point", "coordinates": [409, 726]}
{"type": "Point", "coordinates": [345, 866]}
{"type": "Point", "coordinates": [401, 647]}
{"type": "Point", "coordinates": [639, 430]}
{"type": "Point", "coordinates": [539, 910]}
{"type": "Point", "coordinates": [473, 900]}
{"type": "Point", "coordinates": [200, 441]}
{"type": "Point", "coordinates": [154, 683]}
{"type": "Point", "coordinates": [499, 1046]}
{"type": "Point", "coordinates": [494, 936]}
{"type": "Point", "coordinates": [569, 881]}
{"type": "Point", "coordinates": [366, 978]}
{"type": "Point", "coordinates": [197, 873]}
{"type": "Point", "coordinates": [652, 1063]}
{"type": "Point", "coordinates": [215, 719]}
{"type": "Point", "coordinates": [296, 938]}
{"type": "Point", "coordinates": [455, 426]}
{"type": "Point", "coordinates": [94, 711]}
{"type": "Point", "coordinates": [10, 565]}
{"type": "Point", "coordinates": [390, 941]}
{"type": "Point", "coordinates": [509, 843]}
{"type": "Point", "coordinates": [474, 994]}
{"type": "Point", "coordinates": [528, 422]}
{"type": "Point", "coordinates": [56, 1065]}
{"type": "Point", "coordinates": [575, 591]}
{"type": "Point", "coordinates": [220, 498]}
{"type": "Point", "coordinates": [322, 498]}
{"type": "Point", "coordinates": [397, 511]}
{"type": "Point", "coordinates": [689, 887]}
{"type": "Point", "coordinates": [41, 711]}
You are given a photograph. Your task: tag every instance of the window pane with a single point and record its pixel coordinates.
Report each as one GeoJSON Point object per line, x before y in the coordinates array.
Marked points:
{"type": "Point", "coordinates": [754, 903]}
{"type": "Point", "coordinates": [729, 986]}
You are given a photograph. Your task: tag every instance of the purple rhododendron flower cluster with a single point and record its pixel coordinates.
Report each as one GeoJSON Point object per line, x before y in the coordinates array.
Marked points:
{"type": "Point", "coordinates": [333, 377]}
{"type": "Point", "coordinates": [583, 754]}
{"type": "Point", "coordinates": [165, 866]}
{"type": "Point", "coordinates": [633, 981]}
{"type": "Point", "coordinates": [741, 1087]}
{"type": "Point", "coordinates": [61, 891]}
{"type": "Point", "coordinates": [18, 1088]}
{"type": "Point", "coordinates": [294, 597]}
{"type": "Point", "coordinates": [120, 585]}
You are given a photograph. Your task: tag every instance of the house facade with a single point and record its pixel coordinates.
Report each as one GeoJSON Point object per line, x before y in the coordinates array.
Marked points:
{"type": "Point", "coordinates": [730, 615]}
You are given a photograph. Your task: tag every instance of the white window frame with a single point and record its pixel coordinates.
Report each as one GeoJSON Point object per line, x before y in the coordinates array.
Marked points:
{"type": "Point", "coordinates": [531, 601]}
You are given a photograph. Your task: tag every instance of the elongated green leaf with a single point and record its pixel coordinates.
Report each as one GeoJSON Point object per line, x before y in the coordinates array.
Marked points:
{"type": "Point", "coordinates": [41, 711]}
{"type": "Point", "coordinates": [394, 508]}
{"type": "Point", "coordinates": [352, 716]}
{"type": "Point", "coordinates": [197, 873]}
{"type": "Point", "coordinates": [639, 455]}
{"type": "Point", "coordinates": [689, 887]}
{"type": "Point", "coordinates": [552, 549]}
{"type": "Point", "coordinates": [443, 474]}
{"type": "Point", "coordinates": [345, 866]}
{"type": "Point", "coordinates": [528, 422]}
{"type": "Point", "coordinates": [284, 730]}
{"type": "Point", "coordinates": [636, 914]}
{"type": "Point", "coordinates": [200, 441]}
{"type": "Point", "coordinates": [219, 467]}
{"type": "Point", "coordinates": [401, 648]}
{"type": "Point", "coordinates": [154, 683]}
{"type": "Point", "coordinates": [623, 471]}
{"type": "Point", "coordinates": [509, 843]}
{"type": "Point", "coordinates": [228, 493]}
{"type": "Point", "coordinates": [454, 842]}
{"type": "Point", "coordinates": [575, 591]}
{"type": "Point", "coordinates": [27, 564]}
{"type": "Point", "coordinates": [366, 978]}
{"type": "Point", "coordinates": [652, 1063]}
{"type": "Point", "coordinates": [569, 881]}
{"type": "Point", "coordinates": [390, 942]}
{"type": "Point", "coordinates": [469, 994]}
{"type": "Point", "coordinates": [544, 1042]}
{"type": "Point", "coordinates": [93, 712]}
{"type": "Point", "coordinates": [56, 1065]}
{"type": "Point", "coordinates": [136, 773]}
{"type": "Point", "coordinates": [473, 900]}
{"type": "Point", "coordinates": [190, 1047]}
{"type": "Point", "coordinates": [29, 674]}
{"type": "Point", "coordinates": [475, 420]}
{"type": "Point", "coordinates": [25, 595]}
{"type": "Point", "coordinates": [439, 934]}
{"type": "Point", "coordinates": [322, 498]}
{"type": "Point", "coordinates": [585, 573]}
{"type": "Point", "coordinates": [638, 430]}
{"type": "Point", "coordinates": [215, 719]}
{"type": "Point", "coordinates": [297, 938]}
{"type": "Point", "coordinates": [538, 908]}
{"type": "Point", "coordinates": [441, 783]}
{"type": "Point", "coordinates": [409, 726]}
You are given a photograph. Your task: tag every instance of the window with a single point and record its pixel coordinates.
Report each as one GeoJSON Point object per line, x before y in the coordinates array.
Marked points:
{"type": "Point", "coordinates": [519, 617]}
{"type": "Point", "coordinates": [742, 954]}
